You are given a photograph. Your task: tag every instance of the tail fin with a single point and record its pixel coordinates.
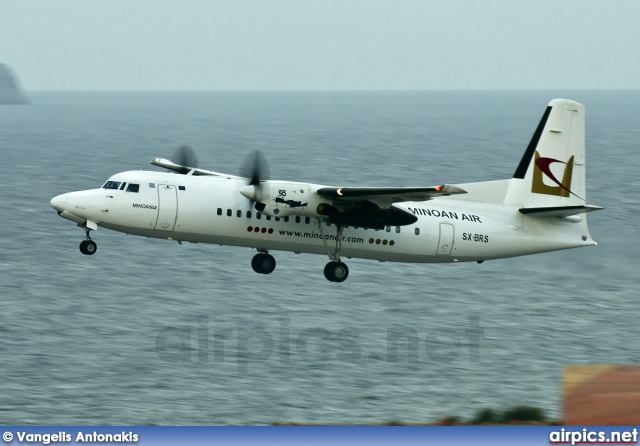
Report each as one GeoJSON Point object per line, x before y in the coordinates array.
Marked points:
{"type": "Point", "coordinates": [552, 170]}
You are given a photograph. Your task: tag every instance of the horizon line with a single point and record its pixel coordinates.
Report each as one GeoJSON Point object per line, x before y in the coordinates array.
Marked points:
{"type": "Point", "coordinates": [389, 90]}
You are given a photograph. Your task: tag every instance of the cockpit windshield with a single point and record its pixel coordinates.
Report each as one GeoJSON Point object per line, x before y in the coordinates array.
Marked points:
{"type": "Point", "coordinates": [111, 185]}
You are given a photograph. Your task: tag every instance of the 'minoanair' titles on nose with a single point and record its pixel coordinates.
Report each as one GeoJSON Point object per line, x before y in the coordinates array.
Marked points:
{"type": "Point", "coordinates": [144, 206]}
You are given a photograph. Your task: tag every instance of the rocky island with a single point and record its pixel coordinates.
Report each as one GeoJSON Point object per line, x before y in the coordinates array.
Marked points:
{"type": "Point", "coordinates": [10, 92]}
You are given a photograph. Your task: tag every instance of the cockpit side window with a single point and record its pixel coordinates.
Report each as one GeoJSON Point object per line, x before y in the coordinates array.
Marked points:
{"type": "Point", "coordinates": [133, 187]}
{"type": "Point", "coordinates": [111, 185]}
{"type": "Point", "coordinates": [123, 185]}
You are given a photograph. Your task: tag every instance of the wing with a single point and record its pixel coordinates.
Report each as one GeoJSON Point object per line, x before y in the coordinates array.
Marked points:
{"type": "Point", "coordinates": [384, 197]}
{"type": "Point", "coordinates": [186, 170]}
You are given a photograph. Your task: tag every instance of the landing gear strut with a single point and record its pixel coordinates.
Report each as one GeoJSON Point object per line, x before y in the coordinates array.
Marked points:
{"type": "Point", "coordinates": [335, 270]}
{"type": "Point", "coordinates": [88, 247]}
{"type": "Point", "coordinates": [263, 263]}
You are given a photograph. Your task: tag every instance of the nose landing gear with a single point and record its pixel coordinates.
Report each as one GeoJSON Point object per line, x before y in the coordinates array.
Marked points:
{"type": "Point", "coordinates": [88, 247]}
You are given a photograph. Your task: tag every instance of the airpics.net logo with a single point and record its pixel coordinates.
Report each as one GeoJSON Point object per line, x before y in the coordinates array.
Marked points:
{"type": "Point", "coordinates": [246, 346]}
{"type": "Point", "coordinates": [542, 166]}
{"type": "Point", "coordinates": [592, 436]}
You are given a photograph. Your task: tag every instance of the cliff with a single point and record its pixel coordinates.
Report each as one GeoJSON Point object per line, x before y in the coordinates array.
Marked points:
{"type": "Point", "coordinates": [10, 92]}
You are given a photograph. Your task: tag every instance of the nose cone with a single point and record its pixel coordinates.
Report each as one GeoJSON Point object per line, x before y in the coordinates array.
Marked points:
{"type": "Point", "coordinates": [250, 192]}
{"type": "Point", "coordinates": [59, 203]}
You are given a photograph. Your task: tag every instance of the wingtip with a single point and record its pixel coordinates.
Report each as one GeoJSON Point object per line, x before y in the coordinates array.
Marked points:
{"type": "Point", "coordinates": [451, 189]}
{"type": "Point", "coordinates": [161, 161]}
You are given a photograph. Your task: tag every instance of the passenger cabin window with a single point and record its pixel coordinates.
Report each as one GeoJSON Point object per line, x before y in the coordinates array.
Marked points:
{"type": "Point", "coordinates": [239, 213]}
{"type": "Point", "coordinates": [417, 231]}
{"type": "Point", "coordinates": [219, 211]}
{"type": "Point", "coordinates": [111, 185]}
{"type": "Point", "coordinates": [229, 212]}
{"type": "Point", "coordinates": [133, 188]}
{"type": "Point", "coordinates": [248, 214]}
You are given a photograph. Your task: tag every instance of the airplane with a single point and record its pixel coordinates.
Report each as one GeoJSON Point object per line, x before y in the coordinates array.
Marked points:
{"type": "Point", "coordinates": [541, 208]}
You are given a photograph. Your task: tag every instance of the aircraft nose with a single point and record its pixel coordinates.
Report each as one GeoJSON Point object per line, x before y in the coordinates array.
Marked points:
{"type": "Point", "coordinates": [59, 203]}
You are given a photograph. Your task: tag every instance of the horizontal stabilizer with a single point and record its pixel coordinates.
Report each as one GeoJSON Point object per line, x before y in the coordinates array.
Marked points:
{"type": "Point", "coordinates": [558, 211]}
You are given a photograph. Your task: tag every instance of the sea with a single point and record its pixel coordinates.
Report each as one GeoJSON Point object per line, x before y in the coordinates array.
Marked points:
{"type": "Point", "coordinates": [151, 332]}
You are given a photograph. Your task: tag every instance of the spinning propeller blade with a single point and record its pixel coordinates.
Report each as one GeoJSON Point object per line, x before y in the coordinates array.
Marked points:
{"type": "Point", "coordinates": [255, 168]}
{"type": "Point", "coordinates": [185, 156]}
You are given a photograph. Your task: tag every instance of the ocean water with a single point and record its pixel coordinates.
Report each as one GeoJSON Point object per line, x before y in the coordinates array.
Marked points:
{"type": "Point", "coordinates": [152, 332]}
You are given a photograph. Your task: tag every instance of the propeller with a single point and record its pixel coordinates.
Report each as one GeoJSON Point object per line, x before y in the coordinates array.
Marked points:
{"type": "Point", "coordinates": [255, 169]}
{"type": "Point", "coordinates": [185, 156]}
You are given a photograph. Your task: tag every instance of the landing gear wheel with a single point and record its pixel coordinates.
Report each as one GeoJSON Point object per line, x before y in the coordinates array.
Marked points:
{"type": "Point", "coordinates": [336, 271]}
{"type": "Point", "coordinates": [88, 247]}
{"type": "Point", "coordinates": [263, 263]}
{"type": "Point", "coordinates": [255, 263]}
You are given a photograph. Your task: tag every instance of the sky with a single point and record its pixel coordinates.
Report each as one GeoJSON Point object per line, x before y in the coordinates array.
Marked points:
{"type": "Point", "coordinates": [321, 44]}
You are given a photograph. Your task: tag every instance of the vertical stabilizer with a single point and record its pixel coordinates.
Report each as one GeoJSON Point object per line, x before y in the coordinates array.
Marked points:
{"type": "Point", "coordinates": [552, 169]}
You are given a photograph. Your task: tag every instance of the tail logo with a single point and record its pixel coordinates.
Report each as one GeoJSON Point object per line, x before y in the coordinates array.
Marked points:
{"type": "Point", "coordinates": [542, 166]}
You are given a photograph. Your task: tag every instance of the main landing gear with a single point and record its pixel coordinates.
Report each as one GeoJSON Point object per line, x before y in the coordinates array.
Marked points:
{"type": "Point", "coordinates": [263, 263]}
{"type": "Point", "coordinates": [335, 270]}
{"type": "Point", "coordinates": [88, 247]}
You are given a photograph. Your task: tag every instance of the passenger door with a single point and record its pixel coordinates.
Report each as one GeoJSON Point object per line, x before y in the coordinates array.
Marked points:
{"type": "Point", "coordinates": [167, 207]}
{"type": "Point", "coordinates": [445, 243]}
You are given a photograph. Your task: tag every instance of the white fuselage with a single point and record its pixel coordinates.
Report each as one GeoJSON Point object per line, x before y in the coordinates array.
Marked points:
{"type": "Point", "coordinates": [208, 209]}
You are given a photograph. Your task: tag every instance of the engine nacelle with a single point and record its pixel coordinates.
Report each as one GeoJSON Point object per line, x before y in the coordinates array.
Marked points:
{"type": "Point", "coordinates": [280, 199]}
